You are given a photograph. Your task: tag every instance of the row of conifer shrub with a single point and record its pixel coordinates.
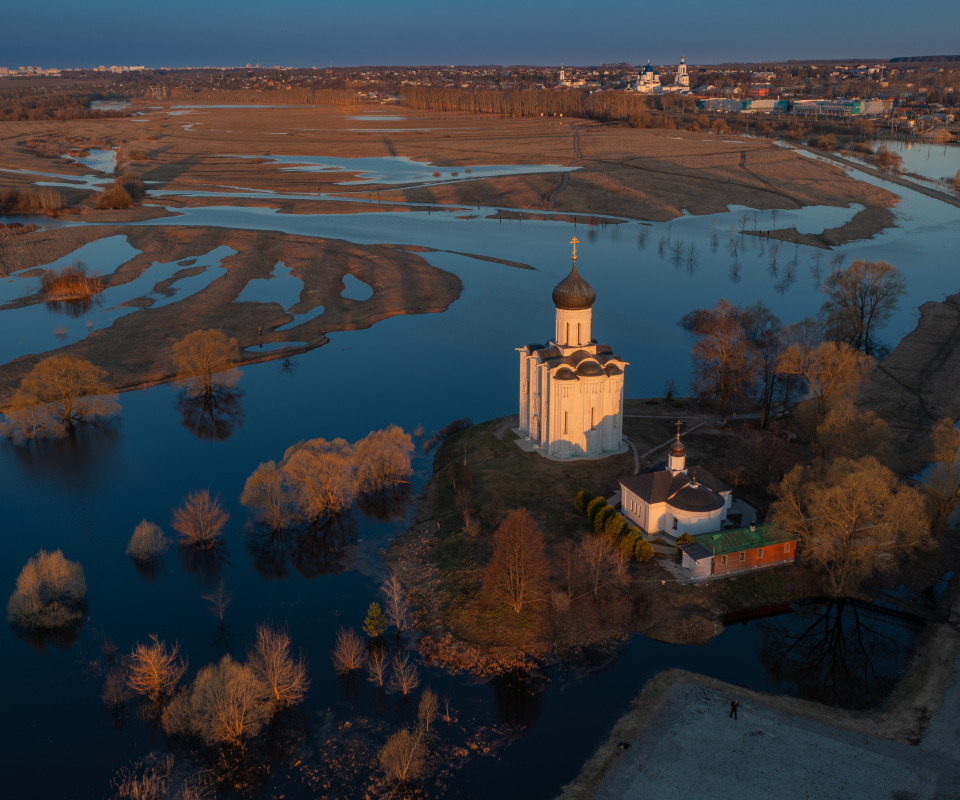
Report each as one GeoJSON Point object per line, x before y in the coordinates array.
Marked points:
{"type": "Point", "coordinates": [609, 523]}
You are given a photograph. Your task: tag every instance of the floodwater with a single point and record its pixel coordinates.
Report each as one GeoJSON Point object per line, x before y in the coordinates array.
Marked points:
{"type": "Point", "coordinates": [86, 495]}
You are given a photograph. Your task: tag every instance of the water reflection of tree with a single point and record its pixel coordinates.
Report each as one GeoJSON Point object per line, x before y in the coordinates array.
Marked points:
{"type": "Point", "coordinates": [212, 415]}
{"type": "Point", "coordinates": [519, 697]}
{"type": "Point", "coordinates": [205, 562]}
{"type": "Point", "coordinates": [841, 654]}
{"type": "Point", "coordinates": [73, 308]}
{"type": "Point", "coordinates": [313, 550]}
{"type": "Point", "coordinates": [386, 505]}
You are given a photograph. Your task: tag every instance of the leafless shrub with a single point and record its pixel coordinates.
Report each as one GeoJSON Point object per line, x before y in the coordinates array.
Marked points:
{"type": "Point", "coordinates": [560, 601]}
{"type": "Point", "coordinates": [349, 653]}
{"type": "Point", "coordinates": [147, 542]}
{"type": "Point", "coordinates": [115, 691]}
{"type": "Point", "coordinates": [404, 756]}
{"type": "Point", "coordinates": [219, 600]}
{"type": "Point", "coordinates": [114, 197]}
{"type": "Point", "coordinates": [50, 593]}
{"type": "Point", "coordinates": [404, 675]}
{"type": "Point", "coordinates": [155, 670]}
{"type": "Point", "coordinates": [69, 283]}
{"type": "Point", "coordinates": [132, 183]}
{"type": "Point", "coordinates": [200, 520]}
{"type": "Point", "coordinates": [39, 198]}
{"type": "Point", "coordinates": [446, 708]}
{"type": "Point", "coordinates": [151, 784]}
{"type": "Point", "coordinates": [271, 661]}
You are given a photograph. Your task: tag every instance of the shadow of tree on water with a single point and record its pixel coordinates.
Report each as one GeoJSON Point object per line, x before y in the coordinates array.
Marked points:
{"type": "Point", "coordinates": [213, 415]}
{"type": "Point", "coordinates": [840, 652]}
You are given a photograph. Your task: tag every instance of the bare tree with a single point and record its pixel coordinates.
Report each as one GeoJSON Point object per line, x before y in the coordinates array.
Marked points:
{"type": "Point", "coordinates": [396, 602]}
{"type": "Point", "coordinates": [428, 710]}
{"type": "Point", "coordinates": [271, 661]}
{"type": "Point", "coordinates": [377, 663]}
{"type": "Point", "coordinates": [404, 675]}
{"type": "Point", "coordinates": [115, 691]}
{"type": "Point", "coordinates": [200, 520]}
{"type": "Point", "coordinates": [404, 756]}
{"type": "Point", "coordinates": [831, 370]}
{"type": "Point", "coordinates": [853, 519]}
{"type": "Point", "coordinates": [155, 670]}
{"type": "Point", "coordinates": [722, 365]}
{"type": "Point", "coordinates": [226, 704]}
{"type": "Point", "coordinates": [206, 359]}
{"type": "Point", "coordinates": [862, 298]}
{"type": "Point", "coordinates": [219, 600]}
{"type": "Point", "coordinates": [764, 331]}
{"type": "Point", "coordinates": [598, 562]}
{"type": "Point", "coordinates": [519, 572]}
{"type": "Point", "coordinates": [349, 653]}
{"type": "Point", "coordinates": [50, 593]}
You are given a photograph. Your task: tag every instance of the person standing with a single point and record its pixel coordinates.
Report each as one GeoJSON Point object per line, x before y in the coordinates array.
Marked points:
{"type": "Point", "coordinates": [734, 705]}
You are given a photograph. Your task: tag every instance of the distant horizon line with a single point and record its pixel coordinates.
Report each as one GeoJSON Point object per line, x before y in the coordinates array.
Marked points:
{"type": "Point", "coordinates": [771, 62]}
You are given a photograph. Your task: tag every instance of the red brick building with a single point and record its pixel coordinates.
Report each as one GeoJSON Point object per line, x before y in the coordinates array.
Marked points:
{"type": "Point", "coordinates": [738, 550]}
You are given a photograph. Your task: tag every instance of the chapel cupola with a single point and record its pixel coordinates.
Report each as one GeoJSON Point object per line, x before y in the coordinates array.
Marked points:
{"type": "Point", "coordinates": [677, 460]}
{"type": "Point", "coordinates": [574, 298]}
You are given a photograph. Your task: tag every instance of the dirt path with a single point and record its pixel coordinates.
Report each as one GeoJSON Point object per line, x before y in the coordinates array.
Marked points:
{"type": "Point", "coordinates": [936, 194]}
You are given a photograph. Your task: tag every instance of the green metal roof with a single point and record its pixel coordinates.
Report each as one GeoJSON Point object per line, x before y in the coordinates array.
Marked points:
{"type": "Point", "coordinates": [733, 541]}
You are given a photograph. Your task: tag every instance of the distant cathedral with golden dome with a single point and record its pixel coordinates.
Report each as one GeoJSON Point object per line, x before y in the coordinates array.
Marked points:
{"type": "Point", "coordinates": [571, 389]}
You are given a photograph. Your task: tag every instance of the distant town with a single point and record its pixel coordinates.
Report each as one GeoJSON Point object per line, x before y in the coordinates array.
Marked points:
{"type": "Point", "coordinates": [918, 94]}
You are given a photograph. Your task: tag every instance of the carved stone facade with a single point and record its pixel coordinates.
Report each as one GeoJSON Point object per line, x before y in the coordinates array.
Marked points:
{"type": "Point", "coordinates": [571, 389]}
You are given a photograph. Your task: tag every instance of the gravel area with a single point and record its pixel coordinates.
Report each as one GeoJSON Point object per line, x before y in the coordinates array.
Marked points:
{"type": "Point", "coordinates": [693, 749]}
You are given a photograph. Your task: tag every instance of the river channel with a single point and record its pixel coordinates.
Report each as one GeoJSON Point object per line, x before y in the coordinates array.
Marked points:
{"type": "Point", "coordinates": [86, 495]}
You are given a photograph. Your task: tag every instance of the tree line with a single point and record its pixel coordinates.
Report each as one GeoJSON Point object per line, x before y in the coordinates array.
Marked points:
{"type": "Point", "coordinates": [854, 518]}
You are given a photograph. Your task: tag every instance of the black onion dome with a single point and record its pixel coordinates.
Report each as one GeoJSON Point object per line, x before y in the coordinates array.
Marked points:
{"type": "Point", "coordinates": [573, 292]}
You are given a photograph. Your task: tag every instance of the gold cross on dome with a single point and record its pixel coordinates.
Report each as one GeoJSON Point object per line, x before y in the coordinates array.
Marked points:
{"type": "Point", "coordinates": [678, 430]}
{"type": "Point", "coordinates": [574, 241]}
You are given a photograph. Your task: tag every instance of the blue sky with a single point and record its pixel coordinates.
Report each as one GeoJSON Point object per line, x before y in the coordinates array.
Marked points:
{"type": "Point", "coordinates": [62, 33]}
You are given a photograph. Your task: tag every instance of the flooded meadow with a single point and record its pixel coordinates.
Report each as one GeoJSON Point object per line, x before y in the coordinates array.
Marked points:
{"type": "Point", "coordinates": [518, 735]}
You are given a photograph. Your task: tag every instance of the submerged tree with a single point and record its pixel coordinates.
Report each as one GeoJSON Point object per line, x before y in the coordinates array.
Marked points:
{"type": "Point", "coordinates": [200, 520]}
{"type": "Point", "coordinates": [147, 543]}
{"type": "Point", "coordinates": [226, 704]}
{"type": "Point", "coordinates": [57, 393]}
{"type": "Point", "coordinates": [723, 369]}
{"type": "Point", "coordinates": [382, 459]}
{"type": "Point", "coordinates": [205, 360]}
{"type": "Point", "coordinates": [155, 670]}
{"type": "Point", "coordinates": [862, 298]}
{"type": "Point", "coordinates": [50, 593]}
{"type": "Point", "coordinates": [274, 664]}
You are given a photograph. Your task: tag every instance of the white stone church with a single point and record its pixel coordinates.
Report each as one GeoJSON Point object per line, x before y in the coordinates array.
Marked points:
{"type": "Point", "coordinates": [571, 389]}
